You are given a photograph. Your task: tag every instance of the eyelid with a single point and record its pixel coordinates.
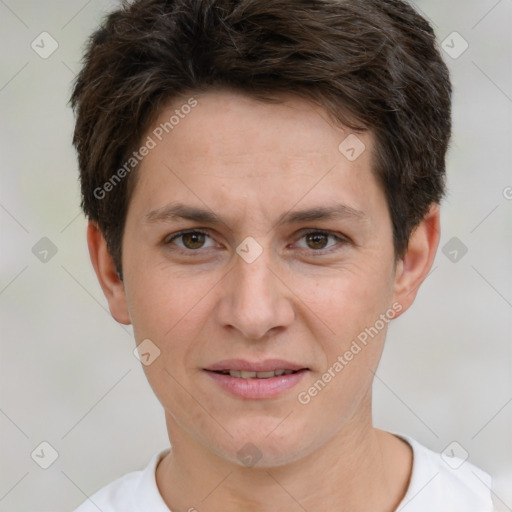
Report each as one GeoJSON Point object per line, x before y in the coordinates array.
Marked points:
{"type": "Point", "coordinates": [171, 236]}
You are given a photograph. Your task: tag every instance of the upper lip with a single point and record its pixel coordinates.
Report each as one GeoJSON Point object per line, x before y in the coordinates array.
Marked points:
{"type": "Point", "coordinates": [267, 365]}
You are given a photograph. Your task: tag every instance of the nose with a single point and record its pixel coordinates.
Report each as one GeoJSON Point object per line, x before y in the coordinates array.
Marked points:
{"type": "Point", "coordinates": [255, 301]}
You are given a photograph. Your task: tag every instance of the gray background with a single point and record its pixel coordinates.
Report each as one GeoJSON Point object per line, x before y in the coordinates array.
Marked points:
{"type": "Point", "coordinates": [68, 375]}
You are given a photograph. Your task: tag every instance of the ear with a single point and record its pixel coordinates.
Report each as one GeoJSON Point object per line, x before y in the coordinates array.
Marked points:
{"type": "Point", "coordinates": [103, 264]}
{"type": "Point", "coordinates": [414, 267]}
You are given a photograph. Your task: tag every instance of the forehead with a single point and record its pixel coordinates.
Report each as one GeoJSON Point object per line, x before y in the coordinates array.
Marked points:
{"type": "Point", "coordinates": [231, 124]}
{"type": "Point", "coordinates": [238, 151]}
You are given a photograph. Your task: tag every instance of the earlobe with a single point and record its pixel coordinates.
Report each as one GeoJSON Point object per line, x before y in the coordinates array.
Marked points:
{"type": "Point", "coordinates": [415, 266]}
{"type": "Point", "coordinates": [105, 269]}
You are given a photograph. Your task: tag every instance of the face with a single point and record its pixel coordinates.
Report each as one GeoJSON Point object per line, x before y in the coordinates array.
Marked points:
{"type": "Point", "coordinates": [254, 244]}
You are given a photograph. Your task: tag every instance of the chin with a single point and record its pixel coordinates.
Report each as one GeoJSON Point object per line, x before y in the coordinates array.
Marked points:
{"type": "Point", "coordinates": [265, 443]}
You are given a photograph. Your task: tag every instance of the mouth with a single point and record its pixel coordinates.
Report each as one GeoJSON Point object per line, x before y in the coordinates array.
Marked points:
{"type": "Point", "coordinates": [243, 374]}
{"type": "Point", "coordinates": [256, 380]}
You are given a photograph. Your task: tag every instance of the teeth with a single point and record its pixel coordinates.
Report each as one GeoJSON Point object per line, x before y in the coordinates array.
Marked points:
{"type": "Point", "coordinates": [256, 375]}
{"type": "Point", "coordinates": [265, 375]}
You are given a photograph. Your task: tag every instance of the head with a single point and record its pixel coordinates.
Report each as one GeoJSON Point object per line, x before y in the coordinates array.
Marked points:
{"type": "Point", "coordinates": [228, 120]}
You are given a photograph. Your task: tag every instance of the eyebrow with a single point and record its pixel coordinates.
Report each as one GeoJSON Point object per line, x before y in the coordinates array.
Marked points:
{"type": "Point", "coordinates": [176, 211]}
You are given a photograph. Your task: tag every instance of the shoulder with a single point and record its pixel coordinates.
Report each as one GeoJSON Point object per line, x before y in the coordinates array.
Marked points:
{"type": "Point", "coordinates": [445, 483]}
{"type": "Point", "coordinates": [127, 492]}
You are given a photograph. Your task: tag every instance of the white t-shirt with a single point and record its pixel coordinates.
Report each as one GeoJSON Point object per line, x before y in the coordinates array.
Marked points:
{"type": "Point", "coordinates": [434, 486]}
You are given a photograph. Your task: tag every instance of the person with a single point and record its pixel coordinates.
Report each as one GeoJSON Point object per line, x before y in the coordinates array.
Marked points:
{"type": "Point", "coordinates": [262, 181]}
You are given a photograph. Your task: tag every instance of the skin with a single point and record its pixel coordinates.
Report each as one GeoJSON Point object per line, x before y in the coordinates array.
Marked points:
{"type": "Point", "coordinates": [250, 162]}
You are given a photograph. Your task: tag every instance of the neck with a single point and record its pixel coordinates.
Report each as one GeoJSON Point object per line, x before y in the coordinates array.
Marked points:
{"type": "Point", "coordinates": [359, 469]}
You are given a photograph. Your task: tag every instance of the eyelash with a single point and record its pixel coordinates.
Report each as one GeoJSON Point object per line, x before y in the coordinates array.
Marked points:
{"type": "Point", "coordinates": [342, 240]}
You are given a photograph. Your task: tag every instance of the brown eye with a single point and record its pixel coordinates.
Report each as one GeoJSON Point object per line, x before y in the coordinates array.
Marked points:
{"type": "Point", "coordinates": [317, 240]}
{"type": "Point", "coordinates": [189, 240]}
{"type": "Point", "coordinates": [321, 242]}
{"type": "Point", "coordinates": [193, 240]}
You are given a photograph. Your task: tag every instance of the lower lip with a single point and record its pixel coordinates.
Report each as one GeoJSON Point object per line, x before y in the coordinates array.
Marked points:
{"type": "Point", "coordinates": [257, 388]}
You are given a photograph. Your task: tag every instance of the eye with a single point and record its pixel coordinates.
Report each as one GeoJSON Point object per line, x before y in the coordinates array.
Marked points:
{"type": "Point", "coordinates": [319, 240]}
{"type": "Point", "coordinates": [193, 240]}
{"type": "Point", "coordinates": [190, 240]}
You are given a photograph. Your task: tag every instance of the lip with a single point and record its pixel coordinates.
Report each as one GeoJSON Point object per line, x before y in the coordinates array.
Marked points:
{"type": "Point", "coordinates": [267, 365]}
{"type": "Point", "coordinates": [256, 389]}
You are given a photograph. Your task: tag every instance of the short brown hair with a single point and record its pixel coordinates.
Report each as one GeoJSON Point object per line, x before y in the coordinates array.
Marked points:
{"type": "Point", "coordinates": [372, 64]}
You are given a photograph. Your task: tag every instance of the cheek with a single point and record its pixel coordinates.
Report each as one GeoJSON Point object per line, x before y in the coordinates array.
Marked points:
{"type": "Point", "coordinates": [163, 303]}
{"type": "Point", "coordinates": [351, 335]}
{"type": "Point", "coordinates": [346, 300]}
